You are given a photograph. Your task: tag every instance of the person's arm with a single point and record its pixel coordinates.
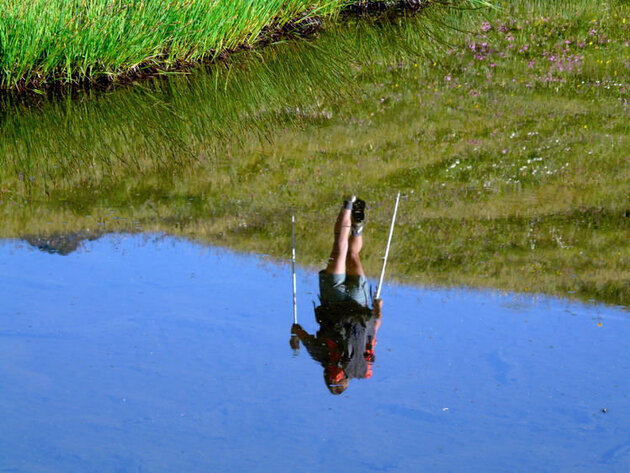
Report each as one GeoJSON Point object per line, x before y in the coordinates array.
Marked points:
{"type": "Point", "coordinates": [321, 350]}
{"type": "Point", "coordinates": [371, 340]}
{"type": "Point", "coordinates": [378, 308]}
{"type": "Point", "coordinates": [303, 335]}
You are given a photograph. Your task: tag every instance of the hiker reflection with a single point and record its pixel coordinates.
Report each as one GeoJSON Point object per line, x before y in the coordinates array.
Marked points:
{"type": "Point", "coordinates": [344, 343]}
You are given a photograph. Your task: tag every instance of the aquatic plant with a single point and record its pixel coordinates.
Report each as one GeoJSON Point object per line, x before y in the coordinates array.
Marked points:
{"type": "Point", "coordinates": [44, 43]}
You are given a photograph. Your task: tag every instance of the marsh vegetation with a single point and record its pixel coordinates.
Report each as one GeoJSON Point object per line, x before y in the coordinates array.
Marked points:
{"type": "Point", "coordinates": [63, 43]}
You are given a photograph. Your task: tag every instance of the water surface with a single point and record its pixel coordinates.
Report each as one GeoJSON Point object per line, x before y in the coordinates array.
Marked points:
{"type": "Point", "coordinates": [157, 354]}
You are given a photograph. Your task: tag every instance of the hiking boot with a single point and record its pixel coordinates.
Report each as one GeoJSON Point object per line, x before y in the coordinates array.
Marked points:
{"type": "Point", "coordinates": [357, 216]}
{"type": "Point", "coordinates": [348, 201]}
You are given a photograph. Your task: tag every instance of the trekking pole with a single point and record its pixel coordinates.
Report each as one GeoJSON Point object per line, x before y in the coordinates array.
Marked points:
{"type": "Point", "coordinates": [294, 341]}
{"type": "Point", "coordinates": [389, 242]}
{"type": "Point", "coordinates": [295, 321]}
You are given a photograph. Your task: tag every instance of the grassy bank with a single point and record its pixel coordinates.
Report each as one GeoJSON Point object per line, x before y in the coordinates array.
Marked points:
{"type": "Point", "coordinates": [45, 43]}
{"type": "Point", "coordinates": [511, 142]}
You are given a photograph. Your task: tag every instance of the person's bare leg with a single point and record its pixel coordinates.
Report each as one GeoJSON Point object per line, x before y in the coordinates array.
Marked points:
{"type": "Point", "coordinates": [353, 261]}
{"type": "Point", "coordinates": [337, 260]}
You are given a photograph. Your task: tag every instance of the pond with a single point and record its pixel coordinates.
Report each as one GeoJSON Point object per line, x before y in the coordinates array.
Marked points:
{"type": "Point", "coordinates": [154, 353]}
{"type": "Point", "coordinates": [145, 288]}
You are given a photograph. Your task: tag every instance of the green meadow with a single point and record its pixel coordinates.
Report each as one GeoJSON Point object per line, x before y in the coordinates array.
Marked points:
{"type": "Point", "coordinates": [506, 129]}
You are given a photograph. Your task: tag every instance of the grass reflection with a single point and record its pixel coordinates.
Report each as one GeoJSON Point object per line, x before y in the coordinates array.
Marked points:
{"type": "Point", "coordinates": [510, 141]}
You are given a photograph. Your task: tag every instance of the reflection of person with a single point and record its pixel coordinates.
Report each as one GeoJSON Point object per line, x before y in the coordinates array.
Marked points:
{"type": "Point", "coordinates": [344, 344]}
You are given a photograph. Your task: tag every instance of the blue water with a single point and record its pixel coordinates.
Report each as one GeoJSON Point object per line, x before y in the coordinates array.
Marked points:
{"type": "Point", "coordinates": [156, 354]}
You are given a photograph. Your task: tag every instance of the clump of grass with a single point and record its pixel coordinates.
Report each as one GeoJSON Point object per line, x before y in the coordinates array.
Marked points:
{"type": "Point", "coordinates": [44, 41]}
{"type": "Point", "coordinates": [50, 42]}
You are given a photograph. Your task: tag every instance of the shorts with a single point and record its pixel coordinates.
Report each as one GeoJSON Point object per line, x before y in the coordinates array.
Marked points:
{"type": "Point", "coordinates": [341, 288]}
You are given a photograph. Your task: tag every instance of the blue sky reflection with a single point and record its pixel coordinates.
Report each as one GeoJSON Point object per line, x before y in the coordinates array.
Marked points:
{"type": "Point", "coordinates": [150, 353]}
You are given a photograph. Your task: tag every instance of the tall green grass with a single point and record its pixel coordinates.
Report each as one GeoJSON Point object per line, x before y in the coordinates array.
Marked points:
{"type": "Point", "coordinates": [45, 42]}
{"type": "Point", "coordinates": [65, 40]}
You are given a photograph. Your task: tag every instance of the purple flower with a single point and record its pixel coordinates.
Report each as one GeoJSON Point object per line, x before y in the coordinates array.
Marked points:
{"type": "Point", "coordinates": [531, 63]}
{"type": "Point", "coordinates": [486, 26]}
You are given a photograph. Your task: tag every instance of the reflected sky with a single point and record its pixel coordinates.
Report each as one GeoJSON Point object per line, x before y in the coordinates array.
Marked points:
{"type": "Point", "coordinates": [150, 353]}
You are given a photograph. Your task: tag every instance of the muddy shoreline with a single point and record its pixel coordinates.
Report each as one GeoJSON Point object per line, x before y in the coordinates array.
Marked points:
{"type": "Point", "coordinates": [303, 27]}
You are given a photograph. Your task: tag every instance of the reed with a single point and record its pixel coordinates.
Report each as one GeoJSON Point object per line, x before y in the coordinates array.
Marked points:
{"type": "Point", "coordinates": [59, 42]}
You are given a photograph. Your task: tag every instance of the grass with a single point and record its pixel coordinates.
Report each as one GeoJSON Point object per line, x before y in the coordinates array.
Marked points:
{"type": "Point", "coordinates": [45, 43]}
{"type": "Point", "coordinates": [514, 160]}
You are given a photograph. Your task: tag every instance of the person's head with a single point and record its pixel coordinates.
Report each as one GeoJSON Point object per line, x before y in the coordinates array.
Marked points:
{"type": "Point", "coordinates": [336, 379]}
